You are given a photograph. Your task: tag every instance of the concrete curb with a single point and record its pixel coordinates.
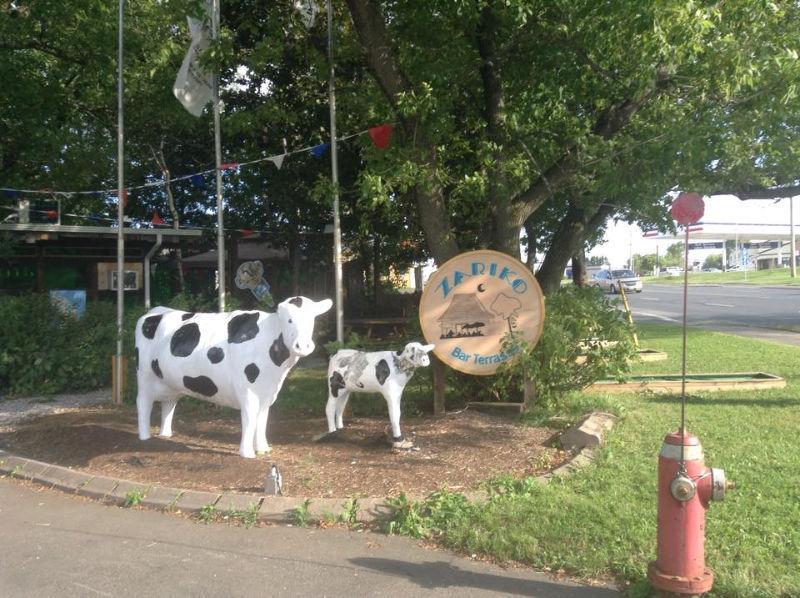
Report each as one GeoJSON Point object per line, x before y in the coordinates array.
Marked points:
{"type": "Point", "coordinates": [271, 509]}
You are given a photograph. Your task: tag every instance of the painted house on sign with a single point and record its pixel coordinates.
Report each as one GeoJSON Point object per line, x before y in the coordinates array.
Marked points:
{"type": "Point", "coordinates": [465, 317]}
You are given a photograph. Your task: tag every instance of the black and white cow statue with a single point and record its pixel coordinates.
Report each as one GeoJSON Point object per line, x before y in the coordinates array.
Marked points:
{"type": "Point", "coordinates": [238, 359]}
{"type": "Point", "coordinates": [385, 372]}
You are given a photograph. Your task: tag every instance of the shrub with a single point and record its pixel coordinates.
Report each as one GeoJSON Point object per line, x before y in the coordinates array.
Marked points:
{"type": "Point", "coordinates": [585, 338]}
{"type": "Point", "coordinates": [44, 351]}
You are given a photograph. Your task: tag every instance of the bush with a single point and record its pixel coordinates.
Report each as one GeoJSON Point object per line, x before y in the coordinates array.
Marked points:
{"type": "Point", "coordinates": [44, 351]}
{"type": "Point", "coordinates": [585, 339]}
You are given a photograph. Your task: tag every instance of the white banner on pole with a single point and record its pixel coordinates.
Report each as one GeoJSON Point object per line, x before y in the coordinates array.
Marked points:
{"type": "Point", "coordinates": [192, 86]}
{"type": "Point", "coordinates": [308, 11]}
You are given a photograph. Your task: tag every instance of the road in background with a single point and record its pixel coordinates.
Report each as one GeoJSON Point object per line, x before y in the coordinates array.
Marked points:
{"type": "Point", "coordinates": [763, 312]}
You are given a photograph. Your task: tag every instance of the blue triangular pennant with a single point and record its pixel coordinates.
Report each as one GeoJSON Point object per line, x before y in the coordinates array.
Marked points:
{"type": "Point", "coordinates": [319, 150]}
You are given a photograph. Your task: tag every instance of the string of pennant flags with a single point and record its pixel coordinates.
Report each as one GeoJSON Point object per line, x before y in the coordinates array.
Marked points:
{"type": "Point", "coordinates": [380, 135]}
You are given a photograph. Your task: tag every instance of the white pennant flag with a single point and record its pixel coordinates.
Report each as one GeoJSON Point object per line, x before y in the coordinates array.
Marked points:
{"type": "Point", "coordinates": [277, 160]}
{"type": "Point", "coordinates": [308, 11]}
{"type": "Point", "coordinates": [193, 85]}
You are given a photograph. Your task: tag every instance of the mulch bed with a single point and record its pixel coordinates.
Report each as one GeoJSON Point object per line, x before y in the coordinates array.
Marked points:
{"type": "Point", "coordinates": [457, 451]}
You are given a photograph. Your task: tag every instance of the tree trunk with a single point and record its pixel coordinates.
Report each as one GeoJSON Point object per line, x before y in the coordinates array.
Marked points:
{"type": "Point", "coordinates": [568, 239]}
{"type": "Point", "coordinates": [176, 221]}
{"type": "Point", "coordinates": [579, 277]}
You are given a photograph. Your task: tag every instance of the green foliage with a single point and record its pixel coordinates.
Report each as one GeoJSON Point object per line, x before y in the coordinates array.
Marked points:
{"type": "Point", "coordinates": [42, 350]}
{"type": "Point", "coordinates": [208, 513]}
{"type": "Point", "coordinates": [133, 498]}
{"type": "Point", "coordinates": [247, 517]}
{"type": "Point", "coordinates": [585, 338]}
{"type": "Point", "coordinates": [349, 514]}
{"type": "Point", "coordinates": [427, 518]}
{"type": "Point", "coordinates": [301, 514]}
{"type": "Point", "coordinates": [713, 261]}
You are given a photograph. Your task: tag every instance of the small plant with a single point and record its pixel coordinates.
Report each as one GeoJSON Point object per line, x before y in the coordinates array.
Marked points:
{"type": "Point", "coordinates": [407, 519]}
{"type": "Point", "coordinates": [208, 513]}
{"type": "Point", "coordinates": [133, 498]}
{"type": "Point", "coordinates": [16, 471]}
{"type": "Point", "coordinates": [248, 517]}
{"type": "Point", "coordinates": [301, 514]}
{"type": "Point", "coordinates": [349, 514]}
{"type": "Point", "coordinates": [172, 504]}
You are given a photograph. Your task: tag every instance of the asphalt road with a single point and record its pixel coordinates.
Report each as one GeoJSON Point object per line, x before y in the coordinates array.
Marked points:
{"type": "Point", "coordinates": [56, 545]}
{"type": "Point", "coordinates": [766, 312]}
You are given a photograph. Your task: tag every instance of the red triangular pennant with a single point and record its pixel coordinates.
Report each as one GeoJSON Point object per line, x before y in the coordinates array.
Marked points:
{"type": "Point", "coordinates": [124, 197]}
{"type": "Point", "coordinates": [381, 135]}
{"type": "Point", "coordinates": [157, 219]}
{"type": "Point", "coordinates": [246, 232]}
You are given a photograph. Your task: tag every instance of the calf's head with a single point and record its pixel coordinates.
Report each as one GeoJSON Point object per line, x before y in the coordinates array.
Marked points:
{"type": "Point", "coordinates": [416, 355]}
{"type": "Point", "coordinates": [296, 317]}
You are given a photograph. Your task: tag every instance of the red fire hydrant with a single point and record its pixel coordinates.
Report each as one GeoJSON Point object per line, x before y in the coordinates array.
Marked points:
{"type": "Point", "coordinates": [683, 497]}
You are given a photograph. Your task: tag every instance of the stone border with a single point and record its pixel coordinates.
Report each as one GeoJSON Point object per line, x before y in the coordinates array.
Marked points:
{"type": "Point", "coordinates": [271, 509]}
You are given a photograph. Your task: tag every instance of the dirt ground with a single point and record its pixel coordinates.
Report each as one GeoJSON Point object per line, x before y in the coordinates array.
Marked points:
{"type": "Point", "coordinates": [457, 451]}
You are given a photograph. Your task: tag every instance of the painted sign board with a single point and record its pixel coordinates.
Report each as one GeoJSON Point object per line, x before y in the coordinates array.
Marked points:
{"type": "Point", "coordinates": [472, 302]}
{"type": "Point", "coordinates": [71, 302]}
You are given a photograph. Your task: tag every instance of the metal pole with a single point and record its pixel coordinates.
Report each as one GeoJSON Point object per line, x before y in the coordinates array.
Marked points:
{"type": "Point", "coordinates": [683, 355]}
{"type": "Point", "coordinates": [120, 210]}
{"type": "Point", "coordinates": [337, 228]}
{"type": "Point", "coordinates": [147, 259]}
{"type": "Point", "coordinates": [217, 164]}
{"type": "Point", "coordinates": [792, 246]}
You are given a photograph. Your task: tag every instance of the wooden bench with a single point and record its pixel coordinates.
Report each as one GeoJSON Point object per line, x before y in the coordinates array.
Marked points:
{"type": "Point", "coordinates": [396, 325]}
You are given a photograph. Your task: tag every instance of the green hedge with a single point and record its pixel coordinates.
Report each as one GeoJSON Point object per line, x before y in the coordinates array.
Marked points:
{"type": "Point", "coordinates": [43, 351]}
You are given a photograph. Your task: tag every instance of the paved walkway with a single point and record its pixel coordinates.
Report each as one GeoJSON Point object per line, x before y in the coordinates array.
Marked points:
{"type": "Point", "coordinates": [65, 546]}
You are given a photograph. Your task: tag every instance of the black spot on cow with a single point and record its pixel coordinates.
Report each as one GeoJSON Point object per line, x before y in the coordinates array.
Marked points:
{"type": "Point", "coordinates": [150, 324]}
{"type": "Point", "coordinates": [215, 354]}
{"type": "Point", "coordinates": [201, 384]}
{"type": "Point", "coordinates": [136, 355]}
{"type": "Point", "coordinates": [188, 316]}
{"type": "Point", "coordinates": [156, 368]}
{"type": "Point", "coordinates": [278, 352]}
{"type": "Point", "coordinates": [298, 301]}
{"type": "Point", "coordinates": [243, 327]}
{"type": "Point", "coordinates": [185, 340]}
{"type": "Point", "coordinates": [382, 371]}
{"type": "Point", "coordinates": [337, 383]}
{"type": "Point", "coordinates": [252, 372]}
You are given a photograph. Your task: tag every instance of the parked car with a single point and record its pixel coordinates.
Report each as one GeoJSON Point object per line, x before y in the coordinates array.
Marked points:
{"type": "Point", "coordinates": [670, 271]}
{"type": "Point", "coordinates": [614, 280]}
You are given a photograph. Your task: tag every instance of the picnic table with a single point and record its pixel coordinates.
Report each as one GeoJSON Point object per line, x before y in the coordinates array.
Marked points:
{"type": "Point", "coordinates": [396, 325]}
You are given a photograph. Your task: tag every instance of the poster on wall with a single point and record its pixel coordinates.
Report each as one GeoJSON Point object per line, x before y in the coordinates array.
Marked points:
{"type": "Point", "coordinates": [472, 302]}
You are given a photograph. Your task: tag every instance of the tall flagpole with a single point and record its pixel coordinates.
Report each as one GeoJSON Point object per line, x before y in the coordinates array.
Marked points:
{"type": "Point", "coordinates": [217, 164]}
{"type": "Point", "coordinates": [120, 212]}
{"type": "Point", "coordinates": [337, 227]}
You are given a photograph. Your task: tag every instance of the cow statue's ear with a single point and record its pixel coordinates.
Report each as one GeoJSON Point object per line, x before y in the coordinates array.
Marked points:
{"type": "Point", "coordinates": [428, 348]}
{"type": "Point", "coordinates": [320, 307]}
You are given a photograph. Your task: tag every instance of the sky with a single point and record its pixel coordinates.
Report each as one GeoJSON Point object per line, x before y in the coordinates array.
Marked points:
{"type": "Point", "coordinates": [622, 239]}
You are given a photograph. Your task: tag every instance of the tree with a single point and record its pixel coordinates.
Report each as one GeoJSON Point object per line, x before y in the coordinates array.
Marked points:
{"type": "Point", "coordinates": [713, 261]}
{"type": "Point", "coordinates": [505, 109]}
{"type": "Point", "coordinates": [598, 260]}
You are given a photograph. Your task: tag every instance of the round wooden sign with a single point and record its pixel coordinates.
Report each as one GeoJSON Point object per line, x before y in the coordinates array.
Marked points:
{"type": "Point", "coordinates": [474, 300]}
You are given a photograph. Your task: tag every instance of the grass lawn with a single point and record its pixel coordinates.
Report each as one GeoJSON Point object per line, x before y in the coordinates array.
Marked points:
{"type": "Point", "coordinates": [602, 521]}
{"type": "Point", "coordinates": [777, 276]}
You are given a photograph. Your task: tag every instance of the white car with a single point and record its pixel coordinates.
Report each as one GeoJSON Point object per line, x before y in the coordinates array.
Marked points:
{"type": "Point", "coordinates": [614, 280]}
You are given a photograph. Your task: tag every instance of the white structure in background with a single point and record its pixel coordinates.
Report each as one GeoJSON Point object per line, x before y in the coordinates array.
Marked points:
{"type": "Point", "coordinates": [759, 228]}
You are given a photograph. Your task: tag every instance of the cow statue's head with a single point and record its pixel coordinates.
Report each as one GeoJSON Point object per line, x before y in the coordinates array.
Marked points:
{"type": "Point", "coordinates": [415, 355]}
{"type": "Point", "coordinates": [297, 323]}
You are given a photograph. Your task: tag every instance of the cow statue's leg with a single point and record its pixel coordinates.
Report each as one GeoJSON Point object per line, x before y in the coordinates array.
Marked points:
{"type": "Point", "coordinates": [144, 408]}
{"type": "Point", "coordinates": [250, 409]}
{"type": "Point", "coordinates": [393, 395]}
{"type": "Point", "coordinates": [341, 403]}
{"type": "Point", "coordinates": [167, 411]}
{"type": "Point", "coordinates": [330, 412]}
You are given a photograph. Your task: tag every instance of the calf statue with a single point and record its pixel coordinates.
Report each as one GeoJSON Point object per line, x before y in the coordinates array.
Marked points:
{"type": "Point", "coordinates": [385, 372]}
{"type": "Point", "coordinates": [238, 359]}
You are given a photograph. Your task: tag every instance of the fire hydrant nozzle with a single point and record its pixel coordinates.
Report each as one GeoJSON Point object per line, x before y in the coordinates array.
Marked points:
{"type": "Point", "coordinates": [685, 489]}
